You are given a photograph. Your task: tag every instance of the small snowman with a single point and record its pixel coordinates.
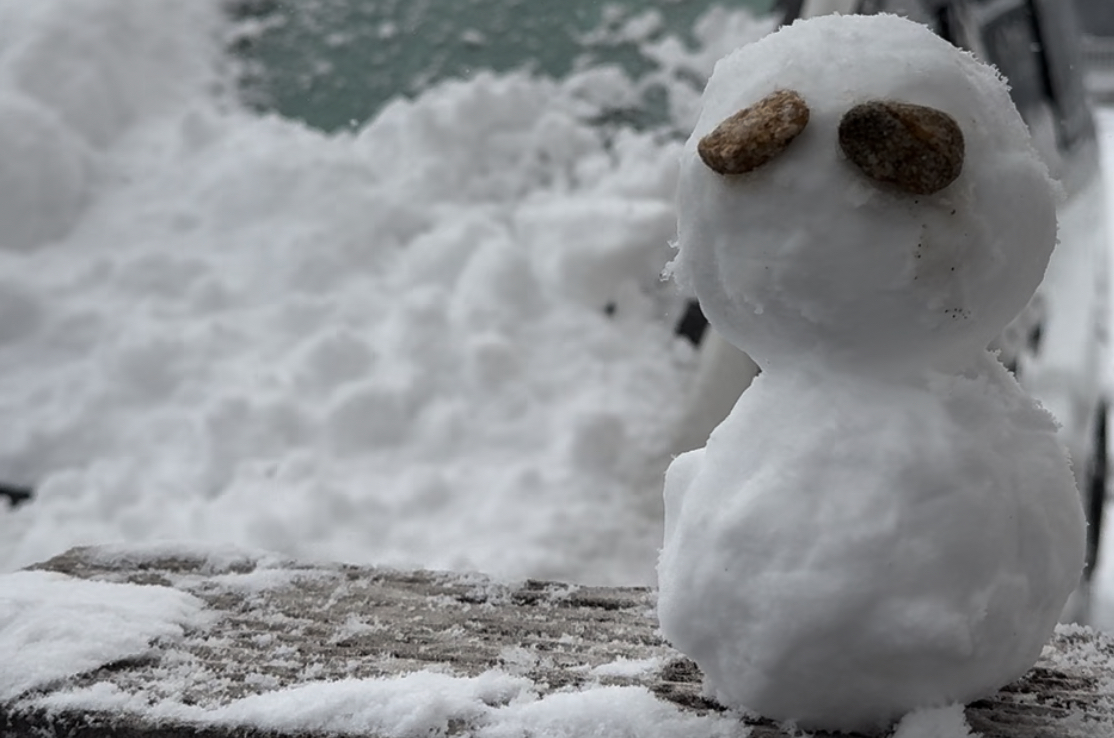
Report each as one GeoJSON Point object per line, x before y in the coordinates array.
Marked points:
{"type": "Point", "coordinates": [885, 521]}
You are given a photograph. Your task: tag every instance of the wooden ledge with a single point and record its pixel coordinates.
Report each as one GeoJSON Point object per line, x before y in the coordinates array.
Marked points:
{"type": "Point", "coordinates": [274, 625]}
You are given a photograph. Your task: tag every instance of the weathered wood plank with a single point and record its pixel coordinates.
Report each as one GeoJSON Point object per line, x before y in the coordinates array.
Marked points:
{"type": "Point", "coordinates": [279, 624]}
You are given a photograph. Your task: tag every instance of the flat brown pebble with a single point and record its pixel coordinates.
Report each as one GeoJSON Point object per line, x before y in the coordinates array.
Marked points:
{"type": "Point", "coordinates": [915, 148]}
{"type": "Point", "coordinates": [755, 135]}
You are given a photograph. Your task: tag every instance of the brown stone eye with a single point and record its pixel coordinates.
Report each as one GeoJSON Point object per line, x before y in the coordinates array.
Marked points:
{"type": "Point", "coordinates": [912, 147]}
{"type": "Point", "coordinates": [754, 135]}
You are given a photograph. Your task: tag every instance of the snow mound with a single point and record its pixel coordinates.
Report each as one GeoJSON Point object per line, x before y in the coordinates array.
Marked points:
{"type": "Point", "coordinates": [440, 340]}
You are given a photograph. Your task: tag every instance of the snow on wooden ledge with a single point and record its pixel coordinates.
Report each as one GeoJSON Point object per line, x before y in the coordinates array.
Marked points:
{"type": "Point", "coordinates": [172, 640]}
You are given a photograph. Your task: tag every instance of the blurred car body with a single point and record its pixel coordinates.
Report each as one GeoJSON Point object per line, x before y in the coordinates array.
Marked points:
{"type": "Point", "coordinates": [1096, 22]}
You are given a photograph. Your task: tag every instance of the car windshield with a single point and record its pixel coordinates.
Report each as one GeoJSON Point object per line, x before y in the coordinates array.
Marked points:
{"type": "Point", "coordinates": [334, 63]}
{"type": "Point", "coordinates": [1096, 17]}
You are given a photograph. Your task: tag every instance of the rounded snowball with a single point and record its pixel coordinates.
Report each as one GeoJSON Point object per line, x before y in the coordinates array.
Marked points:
{"type": "Point", "coordinates": [807, 254]}
{"type": "Point", "coordinates": [842, 584]}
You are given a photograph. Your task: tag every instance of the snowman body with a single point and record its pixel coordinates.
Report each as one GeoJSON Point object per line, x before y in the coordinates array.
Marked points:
{"type": "Point", "coordinates": [844, 550]}
{"type": "Point", "coordinates": [885, 521]}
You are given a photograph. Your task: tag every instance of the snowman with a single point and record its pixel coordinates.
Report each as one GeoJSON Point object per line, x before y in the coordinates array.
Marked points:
{"type": "Point", "coordinates": [885, 521]}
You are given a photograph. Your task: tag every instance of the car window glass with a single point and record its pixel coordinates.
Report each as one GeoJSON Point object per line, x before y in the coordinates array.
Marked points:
{"type": "Point", "coordinates": [1096, 17]}
{"type": "Point", "coordinates": [334, 63]}
{"type": "Point", "coordinates": [1011, 44]}
{"type": "Point", "coordinates": [1060, 41]}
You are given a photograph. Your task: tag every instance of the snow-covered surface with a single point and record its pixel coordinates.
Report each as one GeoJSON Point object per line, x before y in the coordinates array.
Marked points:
{"type": "Point", "coordinates": [425, 703]}
{"type": "Point", "coordinates": [193, 680]}
{"type": "Point", "coordinates": [261, 656]}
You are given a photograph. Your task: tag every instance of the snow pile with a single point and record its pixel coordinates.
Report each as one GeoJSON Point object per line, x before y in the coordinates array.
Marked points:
{"type": "Point", "coordinates": [391, 346]}
{"type": "Point", "coordinates": [71, 86]}
{"type": "Point", "coordinates": [262, 654]}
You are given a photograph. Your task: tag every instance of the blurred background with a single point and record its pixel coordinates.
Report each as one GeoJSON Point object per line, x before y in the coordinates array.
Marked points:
{"type": "Point", "coordinates": [379, 281]}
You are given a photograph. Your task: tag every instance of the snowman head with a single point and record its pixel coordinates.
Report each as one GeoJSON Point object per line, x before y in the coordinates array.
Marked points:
{"type": "Point", "coordinates": [858, 189]}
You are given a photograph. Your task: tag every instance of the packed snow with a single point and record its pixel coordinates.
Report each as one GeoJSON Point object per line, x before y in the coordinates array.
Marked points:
{"type": "Point", "coordinates": [886, 521]}
{"type": "Point", "coordinates": [837, 266]}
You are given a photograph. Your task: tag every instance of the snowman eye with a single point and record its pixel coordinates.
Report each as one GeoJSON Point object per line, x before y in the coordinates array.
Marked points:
{"type": "Point", "coordinates": [754, 135]}
{"type": "Point", "coordinates": [912, 147]}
